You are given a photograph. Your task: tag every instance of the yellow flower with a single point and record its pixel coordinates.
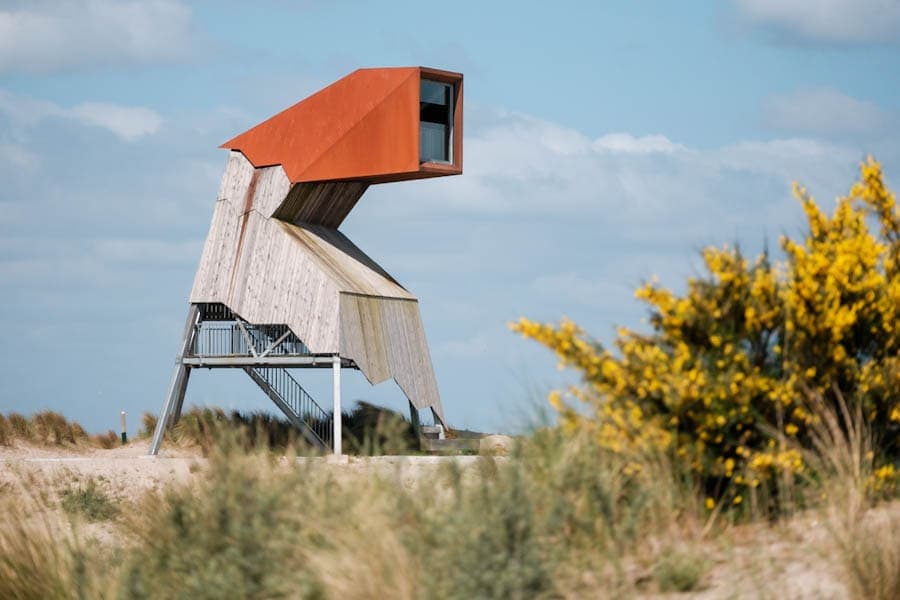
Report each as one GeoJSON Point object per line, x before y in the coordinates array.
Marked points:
{"type": "Point", "coordinates": [710, 503]}
{"type": "Point", "coordinates": [895, 414]}
{"type": "Point", "coordinates": [555, 399]}
{"type": "Point", "coordinates": [884, 473]}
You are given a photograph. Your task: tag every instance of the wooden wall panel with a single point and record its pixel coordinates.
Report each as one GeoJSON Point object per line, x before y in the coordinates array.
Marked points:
{"type": "Point", "coordinates": [362, 335]}
{"type": "Point", "coordinates": [385, 337]}
{"type": "Point", "coordinates": [219, 251]}
{"type": "Point", "coordinates": [272, 187]}
{"type": "Point", "coordinates": [313, 279]}
{"type": "Point", "coordinates": [346, 263]}
{"type": "Point", "coordinates": [265, 271]}
{"type": "Point", "coordinates": [238, 171]}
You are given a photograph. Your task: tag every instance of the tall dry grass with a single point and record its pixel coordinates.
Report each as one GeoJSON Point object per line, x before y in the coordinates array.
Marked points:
{"type": "Point", "coordinates": [865, 535]}
{"type": "Point", "coordinates": [560, 518]}
{"type": "Point", "coordinates": [40, 557]}
{"type": "Point", "coordinates": [6, 432]}
{"type": "Point", "coordinates": [50, 428]}
{"type": "Point", "coordinates": [367, 430]}
{"type": "Point", "coordinates": [552, 520]}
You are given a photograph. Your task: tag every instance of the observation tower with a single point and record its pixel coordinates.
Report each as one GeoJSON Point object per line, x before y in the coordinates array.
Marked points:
{"type": "Point", "coordinates": [280, 287]}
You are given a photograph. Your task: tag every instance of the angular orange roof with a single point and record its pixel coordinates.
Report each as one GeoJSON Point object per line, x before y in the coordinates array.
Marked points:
{"type": "Point", "coordinates": [364, 127]}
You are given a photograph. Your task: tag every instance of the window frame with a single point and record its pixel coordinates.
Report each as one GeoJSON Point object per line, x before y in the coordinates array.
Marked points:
{"type": "Point", "coordinates": [455, 81]}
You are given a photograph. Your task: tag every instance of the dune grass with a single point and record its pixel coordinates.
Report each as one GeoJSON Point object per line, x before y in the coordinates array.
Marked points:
{"type": "Point", "coordinates": [50, 428]}
{"type": "Point", "coordinates": [559, 518]}
{"type": "Point", "coordinates": [253, 524]}
{"type": "Point", "coordinates": [367, 430]}
{"type": "Point", "coordinates": [88, 500]}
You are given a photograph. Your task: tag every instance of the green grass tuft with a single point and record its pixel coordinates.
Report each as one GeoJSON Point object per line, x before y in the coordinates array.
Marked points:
{"type": "Point", "coordinates": [680, 570]}
{"type": "Point", "coordinates": [89, 501]}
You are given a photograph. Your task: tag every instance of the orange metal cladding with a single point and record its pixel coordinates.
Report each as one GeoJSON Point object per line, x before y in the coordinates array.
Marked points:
{"type": "Point", "coordinates": [362, 127]}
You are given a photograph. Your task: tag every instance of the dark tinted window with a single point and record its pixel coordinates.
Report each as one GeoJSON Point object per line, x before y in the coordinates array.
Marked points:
{"type": "Point", "coordinates": [435, 121]}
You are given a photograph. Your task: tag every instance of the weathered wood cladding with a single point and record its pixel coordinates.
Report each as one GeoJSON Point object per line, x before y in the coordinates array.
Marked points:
{"type": "Point", "coordinates": [385, 338]}
{"type": "Point", "coordinates": [313, 279]}
{"type": "Point", "coordinates": [324, 203]}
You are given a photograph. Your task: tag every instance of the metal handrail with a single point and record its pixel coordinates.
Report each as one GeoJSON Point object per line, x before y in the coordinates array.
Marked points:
{"type": "Point", "coordinates": [299, 401]}
{"type": "Point", "coordinates": [225, 338]}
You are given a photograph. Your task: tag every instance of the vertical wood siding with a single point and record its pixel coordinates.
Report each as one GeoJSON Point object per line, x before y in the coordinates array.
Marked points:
{"type": "Point", "coordinates": [322, 203]}
{"type": "Point", "coordinates": [313, 279]}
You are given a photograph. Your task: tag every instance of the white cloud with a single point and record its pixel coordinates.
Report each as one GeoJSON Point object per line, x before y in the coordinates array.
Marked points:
{"type": "Point", "coordinates": [129, 123]}
{"type": "Point", "coordinates": [126, 122]}
{"type": "Point", "coordinates": [17, 156]}
{"type": "Point", "coordinates": [787, 159]}
{"type": "Point", "coordinates": [828, 21]}
{"type": "Point", "coordinates": [627, 143]}
{"type": "Point", "coordinates": [823, 111]}
{"type": "Point", "coordinates": [102, 261]}
{"type": "Point", "coordinates": [48, 35]}
{"type": "Point", "coordinates": [649, 188]}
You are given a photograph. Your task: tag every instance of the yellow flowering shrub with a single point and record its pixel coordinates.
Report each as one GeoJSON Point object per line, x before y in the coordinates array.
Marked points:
{"type": "Point", "coordinates": [724, 376]}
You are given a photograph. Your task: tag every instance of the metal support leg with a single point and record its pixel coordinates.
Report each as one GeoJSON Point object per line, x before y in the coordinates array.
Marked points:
{"type": "Point", "coordinates": [414, 419]}
{"type": "Point", "coordinates": [438, 419]}
{"type": "Point", "coordinates": [179, 396]}
{"type": "Point", "coordinates": [171, 409]}
{"type": "Point", "coordinates": [336, 418]}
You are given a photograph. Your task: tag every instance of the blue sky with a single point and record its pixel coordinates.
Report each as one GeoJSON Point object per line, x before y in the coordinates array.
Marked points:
{"type": "Point", "coordinates": [605, 143]}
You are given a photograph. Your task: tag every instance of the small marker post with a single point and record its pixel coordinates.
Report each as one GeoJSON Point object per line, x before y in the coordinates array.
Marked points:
{"type": "Point", "coordinates": [124, 434]}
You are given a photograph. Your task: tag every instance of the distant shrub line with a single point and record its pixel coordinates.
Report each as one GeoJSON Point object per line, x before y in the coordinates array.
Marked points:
{"type": "Point", "coordinates": [367, 429]}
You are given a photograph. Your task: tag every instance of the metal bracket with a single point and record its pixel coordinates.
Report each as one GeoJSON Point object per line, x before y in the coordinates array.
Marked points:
{"type": "Point", "coordinates": [248, 339]}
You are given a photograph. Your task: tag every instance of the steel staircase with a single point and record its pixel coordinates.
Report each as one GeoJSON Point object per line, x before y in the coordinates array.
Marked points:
{"type": "Point", "coordinates": [297, 405]}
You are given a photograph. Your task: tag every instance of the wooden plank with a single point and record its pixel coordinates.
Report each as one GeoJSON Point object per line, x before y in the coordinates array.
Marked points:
{"type": "Point", "coordinates": [271, 189]}
{"type": "Point", "coordinates": [385, 337]}
{"type": "Point", "coordinates": [325, 203]}
{"type": "Point", "coordinates": [236, 179]}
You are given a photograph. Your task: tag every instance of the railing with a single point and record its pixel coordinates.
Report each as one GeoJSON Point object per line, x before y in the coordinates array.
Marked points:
{"type": "Point", "coordinates": [224, 338]}
{"type": "Point", "coordinates": [296, 399]}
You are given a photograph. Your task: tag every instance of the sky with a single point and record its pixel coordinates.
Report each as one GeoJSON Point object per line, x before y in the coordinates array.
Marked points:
{"type": "Point", "coordinates": [605, 143]}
